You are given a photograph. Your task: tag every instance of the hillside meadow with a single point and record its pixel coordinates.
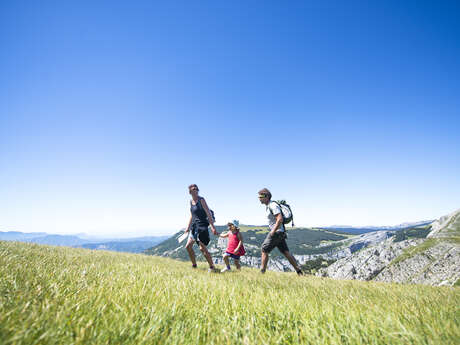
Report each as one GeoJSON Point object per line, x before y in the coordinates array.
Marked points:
{"type": "Point", "coordinates": [57, 295]}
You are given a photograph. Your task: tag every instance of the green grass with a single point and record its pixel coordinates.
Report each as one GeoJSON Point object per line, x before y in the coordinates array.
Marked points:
{"type": "Point", "coordinates": [410, 252]}
{"type": "Point", "coordinates": [418, 232]}
{"type": "Point", "coordinates": [244, 228]}
{"type": "Point", "coordinates": [57, 295]}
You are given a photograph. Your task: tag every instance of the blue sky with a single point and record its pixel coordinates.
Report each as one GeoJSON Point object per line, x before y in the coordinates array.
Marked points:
{"type": "Point", "coordinates": [108, 111]}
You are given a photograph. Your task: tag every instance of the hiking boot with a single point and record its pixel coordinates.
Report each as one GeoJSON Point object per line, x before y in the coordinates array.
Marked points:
{"type": "Point", "coordinates": [299, 273]}
{"type": "Point", "coordinates": [262, 271]}
{"type": "Point", "coordinates": [226, 269]}
{"type": "Point", "coordinates": [194, 266]}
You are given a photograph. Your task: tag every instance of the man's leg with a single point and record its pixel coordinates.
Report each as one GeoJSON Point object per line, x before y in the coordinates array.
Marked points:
{"type": "Point", "coordinates": [292, 261]}
{"type": "Point", "coordinates": [267, 246]}
{"type": "Point", "coordinates": [191, 253]}
{"type": "Point", "coordinates": [263, 266]}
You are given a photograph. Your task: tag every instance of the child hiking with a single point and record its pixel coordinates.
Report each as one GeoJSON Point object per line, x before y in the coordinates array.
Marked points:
{"type": "Point", "coordinates": [235, 247]}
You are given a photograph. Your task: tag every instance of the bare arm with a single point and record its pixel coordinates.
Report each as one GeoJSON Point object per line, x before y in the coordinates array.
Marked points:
{"type": "Point", "coordinates": [189, 223]}
{"type": "Point", "coordinates": [225, 234]}
{"type": "Point", "coordinates": [211, 220]}
{"type": "Point", "coordinates": [279, 221]}
{"type": "Point", "coordinates": [240, 237]}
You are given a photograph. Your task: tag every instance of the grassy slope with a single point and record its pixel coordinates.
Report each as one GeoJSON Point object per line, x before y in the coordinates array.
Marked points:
{"type": "Point", "coordinates": [56, 295]}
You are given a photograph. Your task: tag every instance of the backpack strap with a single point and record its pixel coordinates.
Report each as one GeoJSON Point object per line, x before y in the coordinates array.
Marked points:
{"type": "Point", "coordinates": [281, 212]}
{"type": "Point", "coordinates": [198, 202]}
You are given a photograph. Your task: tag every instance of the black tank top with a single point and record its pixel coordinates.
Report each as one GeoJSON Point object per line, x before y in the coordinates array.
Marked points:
{"type": "Point", "coordinates": [198, 213]}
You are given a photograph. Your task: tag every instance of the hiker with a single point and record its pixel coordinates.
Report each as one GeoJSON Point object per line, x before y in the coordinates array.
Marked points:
{"type": "Point", "coordinates": [277, 232]}
{"type": "Point", "coordinates": [201, 218]}
{"type": "Point", "coordinates": [235, 247]}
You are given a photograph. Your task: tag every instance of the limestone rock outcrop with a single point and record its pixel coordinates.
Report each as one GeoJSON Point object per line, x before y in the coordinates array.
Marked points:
{"type": "Point", "coordinates": [432, 261]}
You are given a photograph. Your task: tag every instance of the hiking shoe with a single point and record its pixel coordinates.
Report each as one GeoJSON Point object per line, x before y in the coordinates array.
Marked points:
{"type": "Point", "coordinates": [212, 270]}
{"type": "Point", "coordinates": [262, 271]}
{"type": "Point", "coordinates": [194, 266]}
{"type": "Point", "coordinates": [299, 273]}
{"type": "Point", "coordinates": [226, 269]}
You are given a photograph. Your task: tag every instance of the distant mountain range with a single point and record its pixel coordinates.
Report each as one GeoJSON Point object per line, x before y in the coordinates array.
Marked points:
{"type": "Point", "coordinates": [146, 243]}
{"type": "Point", "coordinates": [363, 229]}
{"type": "Point", "coordinates": [131, 245]}
{"type": "Point", "coordinates": [425, 252]}
{"type": "Point", "coordinates": [307, 244]}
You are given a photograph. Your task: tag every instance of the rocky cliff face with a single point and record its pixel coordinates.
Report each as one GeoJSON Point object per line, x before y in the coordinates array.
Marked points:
{"type": "Point", "coordinates": [437, 265]}
{"type": "Point", "coordinates": [388, 256]}
{"type": "Point", "coordinates": [342, 249]}
{"type": "Point", "coordinates": [432, 261]}
{"type": "Point", "coordinates": [367, 263]}
{"type": "Point", "coordinates": [447, 226]}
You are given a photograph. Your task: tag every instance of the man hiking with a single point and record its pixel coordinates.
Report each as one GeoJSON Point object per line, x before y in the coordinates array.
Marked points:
{"type": "Point", "coordinates": [276, 236]}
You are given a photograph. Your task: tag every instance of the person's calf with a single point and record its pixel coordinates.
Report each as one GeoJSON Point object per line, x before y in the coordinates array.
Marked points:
{"type": "Point", "coordinates": [227, 262]}
{"type": "Point", "coordinates": [264, 262]}
{"type": "Point", "coordinates": [203, 250]}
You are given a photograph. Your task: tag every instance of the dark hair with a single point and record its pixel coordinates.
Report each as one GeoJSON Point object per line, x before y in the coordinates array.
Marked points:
{"type": "Point", "coordinates": [191, 186]}
{"type": "Point", "coordinates": [265, 192]}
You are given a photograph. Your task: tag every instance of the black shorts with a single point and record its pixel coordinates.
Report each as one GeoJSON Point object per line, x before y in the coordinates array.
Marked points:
{"type": "Point", "coordinates": [277, 240]}
{"type": "Point", "coordinates": [200, 233]}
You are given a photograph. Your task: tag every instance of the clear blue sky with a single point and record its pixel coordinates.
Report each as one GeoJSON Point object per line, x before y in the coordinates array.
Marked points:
{"type": "Point", "coordinates": [350, 110]}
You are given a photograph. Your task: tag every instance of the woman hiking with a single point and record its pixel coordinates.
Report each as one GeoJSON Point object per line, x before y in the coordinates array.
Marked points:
{"type": "Point", "coordinates": [200, 219]}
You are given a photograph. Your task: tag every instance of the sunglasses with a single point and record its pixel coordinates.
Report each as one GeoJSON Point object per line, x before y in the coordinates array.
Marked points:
{"type": "Point", "coordinates": [262, 196]}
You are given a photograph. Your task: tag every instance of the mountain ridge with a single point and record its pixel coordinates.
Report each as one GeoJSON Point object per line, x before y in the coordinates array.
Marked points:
{"type": "Point", "coordinates": [332, 252]}
{"type": "Point", "coordinates": [433, 260]}
{"type": "Point", "coordinates": [131, 245]}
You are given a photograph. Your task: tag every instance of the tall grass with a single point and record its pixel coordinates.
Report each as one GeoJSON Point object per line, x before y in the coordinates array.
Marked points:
{"type": "Point", "coordinates": [55, 295]}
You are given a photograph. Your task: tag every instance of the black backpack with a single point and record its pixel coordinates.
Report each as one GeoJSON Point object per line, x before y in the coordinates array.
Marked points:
{"type": "Point", "coordinates": [212, 215]}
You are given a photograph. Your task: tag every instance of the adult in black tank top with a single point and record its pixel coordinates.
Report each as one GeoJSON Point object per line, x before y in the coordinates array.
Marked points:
{"type": "Point", "coordinates": [198, 227]}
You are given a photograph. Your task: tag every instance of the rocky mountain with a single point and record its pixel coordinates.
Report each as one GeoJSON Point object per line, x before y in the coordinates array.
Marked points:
{"type": "Point", "coordinates": [364, 229]}
{"type": "Point", "coordinates": [306, 244]}
{"type": "Point", "coordinates": [434, 260]}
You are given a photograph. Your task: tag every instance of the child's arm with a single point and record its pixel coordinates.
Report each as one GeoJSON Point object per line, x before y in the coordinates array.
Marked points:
{"type": "Point", "coordinates": [224, 234]}
{"type": "Point", "coordinates": [240, 237]}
